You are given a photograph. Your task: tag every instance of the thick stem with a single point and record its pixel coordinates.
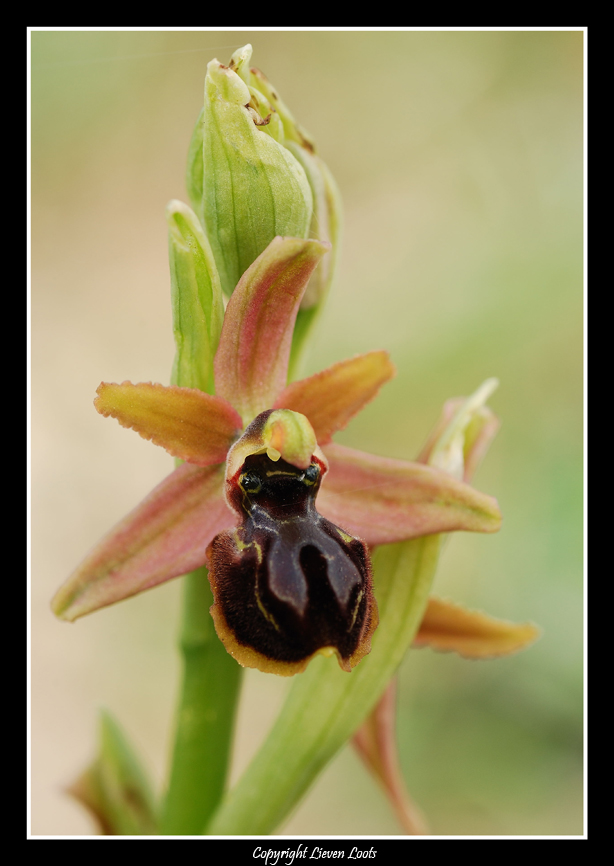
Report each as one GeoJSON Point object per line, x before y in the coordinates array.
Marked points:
{"type": "Point", "coordinates": [205, 716]}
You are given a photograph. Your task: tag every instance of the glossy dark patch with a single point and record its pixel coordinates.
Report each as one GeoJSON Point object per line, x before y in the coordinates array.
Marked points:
{"type": "Point", "coordinates": [287, 581]}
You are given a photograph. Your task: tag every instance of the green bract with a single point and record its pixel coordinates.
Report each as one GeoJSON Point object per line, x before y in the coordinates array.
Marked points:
{"type": "Point", "coordinates": [114, 787]}
{"type": "Point", "coordinates": [198, 306]}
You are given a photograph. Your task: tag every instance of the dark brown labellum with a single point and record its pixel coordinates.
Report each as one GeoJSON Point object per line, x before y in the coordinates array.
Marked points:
{"type": "Point", "coordinates": [287, 583]}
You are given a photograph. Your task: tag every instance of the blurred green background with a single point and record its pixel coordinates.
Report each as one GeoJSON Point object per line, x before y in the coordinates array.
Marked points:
{"type": "Point", "coordinates": [459, 158]}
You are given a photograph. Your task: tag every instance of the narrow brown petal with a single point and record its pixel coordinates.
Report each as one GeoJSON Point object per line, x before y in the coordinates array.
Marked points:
{"type": "Point", "coordinates": [188, 423]}
{"type": "Point", "coordinates": [470, 633]}
{"type": "Point", "coordinates": [165, 536]}
{"type": "Point", "coordinates": [384, 501]}
{"type": "Point", "coordinates": [331, 398]}
{"type": "Point", "coordinates": [251, 364]}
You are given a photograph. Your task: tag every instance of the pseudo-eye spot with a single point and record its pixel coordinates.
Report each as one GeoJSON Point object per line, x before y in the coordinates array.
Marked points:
{"type": "Point", "coordinates": [287, 583]}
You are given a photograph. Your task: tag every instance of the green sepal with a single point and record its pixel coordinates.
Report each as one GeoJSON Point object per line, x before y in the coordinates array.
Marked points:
{"type": "Point", "coordinates": [115, 787]}
{"type": "Point", "coordinates": [198, 306]}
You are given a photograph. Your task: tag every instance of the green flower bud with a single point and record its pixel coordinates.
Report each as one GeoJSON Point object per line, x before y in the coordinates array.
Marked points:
{"type": "Point", "coordinates": [245, 184]}
{"type": "Point", "coordinates": [460, 435]}
{"type": "Point", "coordinates": [198, 306]}
{"type": "Point", "coordinates": [326, 216]}
{"type": "Point", "coordinates": [253, 174]}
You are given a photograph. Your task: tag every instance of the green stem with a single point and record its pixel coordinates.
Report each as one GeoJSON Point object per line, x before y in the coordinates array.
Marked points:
{"type": "Point", "coordinates": [205, 717]}
{"type": "Point", "coordinates": [326, 705]}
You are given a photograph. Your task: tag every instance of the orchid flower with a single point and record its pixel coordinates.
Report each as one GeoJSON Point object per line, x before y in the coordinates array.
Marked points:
{"type": "Point", "coordinates": [312, 549]}
{"type": "Point", "coordinates": [256, 423]}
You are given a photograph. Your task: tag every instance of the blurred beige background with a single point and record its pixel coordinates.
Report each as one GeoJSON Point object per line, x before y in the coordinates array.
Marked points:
{"type": "Point", "coordinates": [459, 157]}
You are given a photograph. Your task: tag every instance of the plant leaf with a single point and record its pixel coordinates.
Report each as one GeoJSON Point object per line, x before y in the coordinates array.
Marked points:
{"type": "Point", "coordinates": [115, 788]}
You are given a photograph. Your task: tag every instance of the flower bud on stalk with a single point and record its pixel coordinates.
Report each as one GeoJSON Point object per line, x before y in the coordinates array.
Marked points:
{"type": "Point", "coordinates": [253, 174]}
